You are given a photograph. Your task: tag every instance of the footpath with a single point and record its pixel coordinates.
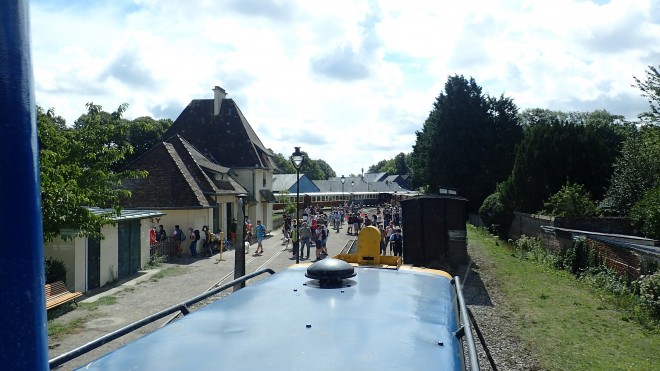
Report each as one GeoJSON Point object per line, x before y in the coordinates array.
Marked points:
{"type": "Point", "coordinates": [156, 289]}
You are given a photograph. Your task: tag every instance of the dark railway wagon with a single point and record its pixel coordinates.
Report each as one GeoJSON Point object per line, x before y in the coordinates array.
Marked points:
{"type": "Point", "coordinates": [434, 230]}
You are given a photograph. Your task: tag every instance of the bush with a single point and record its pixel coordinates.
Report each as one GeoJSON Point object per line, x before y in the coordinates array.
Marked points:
{"type": "Point", "coordinates": [55, 270]}
{"type": "Point", "coordinates": [572, 200]}
{"type": "Point", "coordinates": [645, 213]}
{"type": "Point", "coordinates": [649, 293]}
{"type": "Point", "coordinates": [493, 212]}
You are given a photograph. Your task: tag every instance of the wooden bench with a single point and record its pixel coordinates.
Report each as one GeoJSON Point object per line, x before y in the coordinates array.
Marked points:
{"type": "Point", "coordinates": [57, 294]}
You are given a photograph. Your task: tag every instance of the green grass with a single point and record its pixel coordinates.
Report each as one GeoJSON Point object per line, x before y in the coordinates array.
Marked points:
{"type": "Point", "coordinates": [94, 305]}
{"type": "Point", "coordinates": [156, 261]}
{"type": "Point", "coordinates": [569, 325]}
{"type": "Point", "coordinates": [167, 272]}
{"type": "Point", "coordinates": [72, 327]}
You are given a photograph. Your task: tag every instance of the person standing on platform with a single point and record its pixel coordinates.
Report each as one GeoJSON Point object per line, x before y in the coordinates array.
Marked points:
{"type": "Point", "coordinates": [178, 237]}
{"type": "Point", "coordinates": [294, 240]}
{"type": "Point", "coordinates": [305, 236]}
{"type": "Point", "coordinates": [201, 242]}
{"type": "Point", "coordinates": [397, 240]}
{"type": "Point", "coordinates": [162, 235]}
{"type": "Point", "coordinates": [153, 235]}
{"type": "Point", "coordinates": [194, 236]}
{"type": "Point", "coordinates": [261, 233]}
{"type": "Point", "coordinates": [232, 231]}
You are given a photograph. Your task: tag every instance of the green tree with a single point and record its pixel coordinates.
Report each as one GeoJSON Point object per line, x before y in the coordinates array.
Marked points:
{"type": "Point", "coordinates": [400, 165]}
{"type": "Point", "coordinates": [650, 88]}
{"type": "Point", "coordinates": [396, 166]}
{"type": "Point", "coordinates": [636, 170]}
{"type": "Point", "coordinates": [143, 133]}
{"type": "Point", "coordinates": [555, 152]}
{"type": "Point", "coordinates": [76, 168]}
{"type": "Point", "coordinates": [383, 166]}
{"type": "Point", "coordinates": [284, 165]}
{"type": "Point", "coordinates": [645, 213]}
{"type": "Point", "coordinates": [467, 142]}
{"type": "Point", "coordinates": [314, 169]}
{"type": "Point", "coordinates": [572, 200]}
{"type": "Point", "coordinates": [326, 169]}
{"type": "Point", "coordinates": [497, 210]}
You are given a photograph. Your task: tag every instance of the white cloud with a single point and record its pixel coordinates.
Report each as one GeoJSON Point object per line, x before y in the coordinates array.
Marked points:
{"type": "Point", "coordinates": [348, 81]}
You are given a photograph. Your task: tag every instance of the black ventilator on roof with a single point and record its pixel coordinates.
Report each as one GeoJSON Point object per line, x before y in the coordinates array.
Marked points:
{"type": "Point", "coordinates": [330, 272]}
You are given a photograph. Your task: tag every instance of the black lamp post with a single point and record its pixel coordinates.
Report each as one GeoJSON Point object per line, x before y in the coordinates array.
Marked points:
{"type": "Point", "coordinates": [352, 185]}
{"type": "Point", "coordinates": [343, 180]}
{"type": "Point", "coordinates": [297, 160]}
{"type": "Point", "coordinates": [239, 253]}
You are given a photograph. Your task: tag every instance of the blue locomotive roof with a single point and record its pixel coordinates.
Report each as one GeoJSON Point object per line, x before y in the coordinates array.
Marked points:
{"type": "Point", "coordinates": [379, 319]}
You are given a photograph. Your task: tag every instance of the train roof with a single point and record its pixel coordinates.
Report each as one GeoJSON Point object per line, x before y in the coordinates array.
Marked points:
{"type": "Point", "coordinates": [379, 319]}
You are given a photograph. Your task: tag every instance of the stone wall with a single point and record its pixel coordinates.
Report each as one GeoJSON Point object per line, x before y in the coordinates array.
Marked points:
{"type": "Point", "coordinates": [528, 224]}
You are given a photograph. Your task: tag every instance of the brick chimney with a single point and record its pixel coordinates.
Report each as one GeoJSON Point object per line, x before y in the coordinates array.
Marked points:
{"type": "Point", "coordinates": [218, 95]}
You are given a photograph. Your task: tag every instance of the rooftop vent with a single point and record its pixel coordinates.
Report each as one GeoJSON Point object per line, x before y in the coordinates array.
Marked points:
{"type": "Point", "coordinates": [330, 272]}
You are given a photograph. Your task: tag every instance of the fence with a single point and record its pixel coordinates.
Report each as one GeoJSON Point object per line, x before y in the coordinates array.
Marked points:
{"type": "Point", "coordinates": [164, 248]}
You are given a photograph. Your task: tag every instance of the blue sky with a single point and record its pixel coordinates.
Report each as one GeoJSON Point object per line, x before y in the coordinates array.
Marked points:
{"type": "Point", "coordinates": [349, 81]}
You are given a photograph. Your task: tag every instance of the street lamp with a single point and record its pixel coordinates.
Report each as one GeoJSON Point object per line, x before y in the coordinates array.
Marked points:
{"type": "Point", "coordinates": [352, 185]}
{"type": "Point", "coordinates": [297, 160]}
{"type": "Point", "coordinates": [239, 253]}
{"type": "Point", "coordinates": [343, 180]}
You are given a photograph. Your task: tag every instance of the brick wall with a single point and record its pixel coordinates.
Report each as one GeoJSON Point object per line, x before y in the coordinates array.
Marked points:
{"type": "Point", "coordinates": [623, 261]}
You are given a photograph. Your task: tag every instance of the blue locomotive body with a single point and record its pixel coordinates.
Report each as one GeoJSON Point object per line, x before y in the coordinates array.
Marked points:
{"type": "Point", "coordinates": [394, 319]}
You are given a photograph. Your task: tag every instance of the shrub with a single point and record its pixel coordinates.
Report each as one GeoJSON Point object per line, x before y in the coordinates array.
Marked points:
{"type": "Point", "coordinates": [495, 215]}
{"type": "Point", "coordinates": [572, 200]}
{"type": "Point", "coordinates": [645, 213]}
{"type": "Point", "coordinates": [55, 270]}
{"type": "Point", "coordinates": [649, 293]}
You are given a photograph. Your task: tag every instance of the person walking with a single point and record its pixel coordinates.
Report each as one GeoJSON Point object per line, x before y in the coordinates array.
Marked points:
{"type": "Point", "coordinates": [261, 233]}
{"type": "Point", "coordinates": [294, 240]}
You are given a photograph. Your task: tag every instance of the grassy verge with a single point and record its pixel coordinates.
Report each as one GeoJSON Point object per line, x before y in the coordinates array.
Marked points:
{"type": "Point", "coordinates": [94, 305]}
{"type": "Point", "coordinates": [167, 272]}
{"type": "Point", "coordinates": [72, 327]}
{"type": "Point", "coordinates": [570, 325]}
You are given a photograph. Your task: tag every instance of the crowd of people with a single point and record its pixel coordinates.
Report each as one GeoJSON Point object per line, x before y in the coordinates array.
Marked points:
{"type": "Point", "coordinates": [316, 223]}
{"type": "Point", "coordinates": [315, 227]}
{"type": "Point", "coordinates": [202, 244]}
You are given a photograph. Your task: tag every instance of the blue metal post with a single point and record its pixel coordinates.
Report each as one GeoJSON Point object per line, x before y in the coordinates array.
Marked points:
{"type": "Point", "coordinates": [23, 326]}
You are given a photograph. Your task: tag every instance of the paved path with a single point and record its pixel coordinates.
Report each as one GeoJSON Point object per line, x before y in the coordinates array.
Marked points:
{"type": "Point", "coordinates": [158, 289]}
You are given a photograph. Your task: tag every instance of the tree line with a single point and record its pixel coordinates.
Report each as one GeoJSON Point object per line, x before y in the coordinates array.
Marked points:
{"type": "Point", "coordinates": [539, 160]}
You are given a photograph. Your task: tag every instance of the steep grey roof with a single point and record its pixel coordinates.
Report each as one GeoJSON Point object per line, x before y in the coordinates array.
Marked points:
{"type": "Point", "coordinates": [226, 139]}
{"type": "Point", "coordinates": [283, 181]}
{"type": "Point", "coordinates": [179, 177]}
{"type": "Point", "coordinates": [374, 177]}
